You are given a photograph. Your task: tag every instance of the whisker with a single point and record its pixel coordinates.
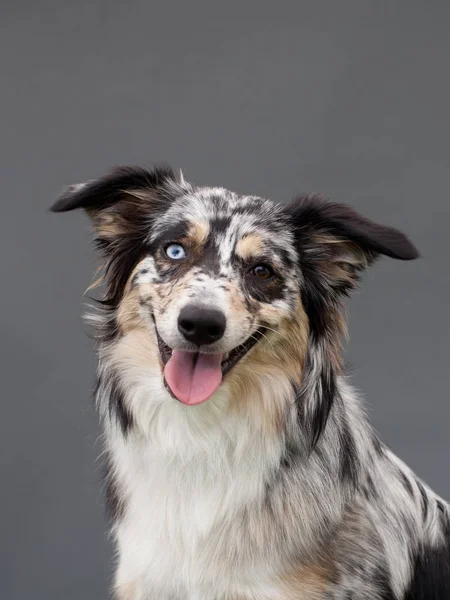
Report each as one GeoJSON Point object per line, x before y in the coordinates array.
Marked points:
{"type": "Point", "coordinates": [271, 329]}
{"type": "Point", "coordinates": [253, 336]}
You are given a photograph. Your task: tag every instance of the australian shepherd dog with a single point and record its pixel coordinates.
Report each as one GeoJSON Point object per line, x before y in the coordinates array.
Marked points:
{"type": "Point", "coordinates": [240, 464]}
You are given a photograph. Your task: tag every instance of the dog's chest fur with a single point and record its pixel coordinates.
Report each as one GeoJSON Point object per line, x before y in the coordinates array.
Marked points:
{"type": "Point", "coordinates": [184, 529]}
{"type": "Point", "coordinates": [195, 523]}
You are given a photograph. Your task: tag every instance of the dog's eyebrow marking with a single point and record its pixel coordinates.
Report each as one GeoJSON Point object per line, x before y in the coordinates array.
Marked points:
{"type": "Point", "coordinates": [176, 231]}
{"type": "Point", "coordinates": [250, 246]}
{"type": "Point", "coordinates": [198, 232]}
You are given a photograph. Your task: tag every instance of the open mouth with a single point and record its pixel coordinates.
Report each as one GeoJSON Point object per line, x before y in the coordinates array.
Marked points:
{"type": "Point", "coordinates": [192, 377]}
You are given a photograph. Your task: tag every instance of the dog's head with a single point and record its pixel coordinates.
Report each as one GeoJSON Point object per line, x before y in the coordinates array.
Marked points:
{"type": "Point", "coordinates": [223, 280]}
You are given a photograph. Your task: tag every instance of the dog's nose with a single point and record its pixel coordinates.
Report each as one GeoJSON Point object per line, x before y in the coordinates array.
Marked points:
{"type": "Point", "coordinates": [201, 325]}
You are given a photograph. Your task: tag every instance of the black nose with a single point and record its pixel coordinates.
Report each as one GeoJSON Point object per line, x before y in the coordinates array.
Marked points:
{"type": "Point", "coordinates": [201, 325]}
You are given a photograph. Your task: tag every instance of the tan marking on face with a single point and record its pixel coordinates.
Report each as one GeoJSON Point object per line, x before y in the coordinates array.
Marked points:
{"type": "Point", "coordinates": [198, 233]}
{"type": "Point", "coordinates": [236, 299]}
{"type": "Point", "coordinates": [268, 313]}
{"type": "Point", "coordinates": [274, 363]}
{"type": "Point", "coordinates": [128, 312]}
{"type": "Point", "coordinates": [137, 349]}
{"type": "Point", "coordinates": [250, 246]}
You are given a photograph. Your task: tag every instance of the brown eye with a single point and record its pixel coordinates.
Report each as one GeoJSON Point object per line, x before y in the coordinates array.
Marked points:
{"type": "Point", "coordinates": [262, 272]}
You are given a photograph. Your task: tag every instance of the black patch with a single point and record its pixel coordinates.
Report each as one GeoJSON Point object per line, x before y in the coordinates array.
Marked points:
{"type": "Point", "coordinates": [406, 483]}
{"type": "Point", "coordinates": [117, 407]}
{"type": "Point", "coordinates": [378, 445]}
{"type": "Point", "coordinates": [285, 463]}
{"type": "Point", "coordinates": [119, 268]}
{"type": "Point", "coordinates": [291, 455]}
{"type": "Point", "coordinates": [312, 219]}
{"type": "Point", "coordinates": [114, 502]}
{"type": "Point", "coordinates": [424, 500]}
{"type": "Point", "coordinates": [221, 202]}
{"type": "Point", "coordinates": [349, 463]}
{"type": "Point", "coordinates": [369, 489]}
{"type": "Point", "coordinates": [106, 191]}
{"type": "Point", "coordinates": [261, 290]}
{"type": "Point", "coordinates": [314, 214]}
{"type": "Point", "coordinates": [173, 234]}
{"type": "Point", "coordinates": [316, 302]}
{"type": "Point", "coordinates": [265, 291]}
{"type": "Point", "coordinates": [324, 397]}
{"type": "Point", "coordinates": [284, 256]}
{"type": "Point", "coordinates": [323, 403]}
{"type": "Point", "coordinates": [210, 259]}
{"type": "Point", "coordinates": [219, 225]}
{"type": "Point", "coordinates": [441, 507]}
{"type": "Point", "coordinates": [431, 570]}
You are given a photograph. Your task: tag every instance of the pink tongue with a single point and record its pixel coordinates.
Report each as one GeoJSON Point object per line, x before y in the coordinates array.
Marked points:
{"type": "Point", "coordinates": [193, 378]}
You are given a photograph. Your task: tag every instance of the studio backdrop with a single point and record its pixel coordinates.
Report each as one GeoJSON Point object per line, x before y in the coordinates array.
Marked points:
{"type": "Point", "coordinates": [346, 98]}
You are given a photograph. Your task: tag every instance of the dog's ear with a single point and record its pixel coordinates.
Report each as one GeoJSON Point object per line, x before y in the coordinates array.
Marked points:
{"type": "Point", "coordinates": [336, 242]}
{"type": "Point", "coordinates": [123, 202]}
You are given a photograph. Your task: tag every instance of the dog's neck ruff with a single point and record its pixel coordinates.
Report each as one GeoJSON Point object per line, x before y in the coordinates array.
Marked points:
{"type": "Point", "coordinates": [228, 478]}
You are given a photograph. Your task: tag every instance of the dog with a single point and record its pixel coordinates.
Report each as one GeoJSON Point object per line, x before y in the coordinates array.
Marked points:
{"type": "Point", "coordinates": [240, 463]}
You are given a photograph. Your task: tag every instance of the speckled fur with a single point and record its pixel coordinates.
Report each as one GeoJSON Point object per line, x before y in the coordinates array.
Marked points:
{"type": "Point", "coordinates": [276, 488]}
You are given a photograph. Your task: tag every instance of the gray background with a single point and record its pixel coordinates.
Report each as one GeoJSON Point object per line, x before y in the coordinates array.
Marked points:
{"type": "Point", "coordinates": [348, 98]}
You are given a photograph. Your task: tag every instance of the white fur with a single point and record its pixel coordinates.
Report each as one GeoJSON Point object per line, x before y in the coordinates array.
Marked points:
{"type": "Point", "coordinates": [185, 481]}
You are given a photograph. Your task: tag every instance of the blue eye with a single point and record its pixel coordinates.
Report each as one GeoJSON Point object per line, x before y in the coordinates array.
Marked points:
{"type": "Point", "coordinates": [175, 251]}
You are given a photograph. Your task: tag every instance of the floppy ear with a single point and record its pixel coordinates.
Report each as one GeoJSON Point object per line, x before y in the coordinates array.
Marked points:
{"type": "Point", "coordinates": [122, 206]}
{"type": "Point", "coordinates": [122, 202]}
{"type": "Point", "coordinates": [335, 243]}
